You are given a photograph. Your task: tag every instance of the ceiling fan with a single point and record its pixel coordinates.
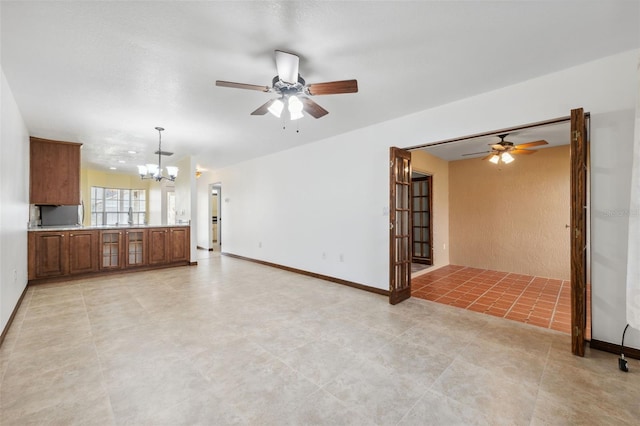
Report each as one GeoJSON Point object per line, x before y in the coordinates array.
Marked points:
{"type": "Point", "coordinates": [293, 90]}
{"type": "Point", "coordinates": [503, 150]}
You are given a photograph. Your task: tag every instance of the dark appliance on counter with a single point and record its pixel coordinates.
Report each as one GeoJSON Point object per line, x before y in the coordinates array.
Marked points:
{"type": "Point", "coordinates": [59, 215]}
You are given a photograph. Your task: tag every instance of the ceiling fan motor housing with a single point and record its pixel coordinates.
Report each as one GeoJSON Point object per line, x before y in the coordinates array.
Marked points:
{"type": "Point", "coordinates": [287, 89]}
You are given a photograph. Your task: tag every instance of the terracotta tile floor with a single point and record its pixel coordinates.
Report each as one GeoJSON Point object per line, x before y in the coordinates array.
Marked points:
{"type": "Point", "coordinates": [543, 302]}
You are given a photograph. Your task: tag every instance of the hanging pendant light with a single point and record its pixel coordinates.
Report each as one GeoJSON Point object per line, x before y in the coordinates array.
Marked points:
{"type": "Point", "coordinates": [153, 171]}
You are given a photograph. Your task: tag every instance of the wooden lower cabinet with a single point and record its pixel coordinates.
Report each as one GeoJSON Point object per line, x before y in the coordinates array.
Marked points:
{"type": "Point", "coordinates": [48, 254]}
{"type": "Point", "coordinates": [180, 242]}
{"type": "Point", "coordinates": [136, 248]}
{"type": "Point", "coordinates": [55, 254]}
{"type": "Point", "coordinates": [158, 246]}
{"type": "Point", "coordinates": [83, 252]}
{"type": "Point", "coordinates": [111, 250]}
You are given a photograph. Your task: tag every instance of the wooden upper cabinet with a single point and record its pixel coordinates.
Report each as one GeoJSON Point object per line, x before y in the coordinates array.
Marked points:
{"type": "Point", "coordinates": [54, 172]}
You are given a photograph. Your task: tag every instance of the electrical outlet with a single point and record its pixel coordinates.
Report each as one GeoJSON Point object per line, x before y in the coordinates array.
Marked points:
{"type": "Point", "coordinates": [260, 244]}
{"type": "Point", "coordinates": [15, 276]}
{"type": "Point", "coordinates": [341, 257]}
{"type": "Point", "coordinates": [324, 256]}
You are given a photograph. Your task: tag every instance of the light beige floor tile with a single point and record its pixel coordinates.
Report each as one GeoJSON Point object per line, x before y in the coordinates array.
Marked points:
{"type": "Point", "coordinates": [232, 342]}
{"type": "Point", "coordinates": [499, 399]}
{"type": "Point", "coordinates": [376, 392]}
{"type": "Point", "coordinates": [437, 409]}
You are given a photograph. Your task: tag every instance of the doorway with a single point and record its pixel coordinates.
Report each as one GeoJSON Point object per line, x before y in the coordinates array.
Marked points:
{"type": "Point", "coordinates": [215, 215]}
{"type": "Point", "coordinates": [572, 291]}
{"type": "Point", "coordinates": [171, 207]}
{"type": "Point", "coordinates": [422, 207]}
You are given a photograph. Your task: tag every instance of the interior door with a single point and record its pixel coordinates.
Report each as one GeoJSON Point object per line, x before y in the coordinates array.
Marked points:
{"type": "Point", "coordinates": [421, 207]}
{"type": "Point", "coordinates": [400, 226]}
{"type": "Point", "coordinates": [578, 230]}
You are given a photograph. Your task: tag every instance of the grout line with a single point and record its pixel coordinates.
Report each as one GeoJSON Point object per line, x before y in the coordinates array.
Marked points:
{"type": "Point", "coordinates": [469, 276]}
{"type": "Point", "coordinates": [518, 298]}
{"type": "Point", "coordinates": [555, 307]}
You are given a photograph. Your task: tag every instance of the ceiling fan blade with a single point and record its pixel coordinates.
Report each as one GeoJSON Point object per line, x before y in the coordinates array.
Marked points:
{"type": "Point", "coordinates": [475, 153]}
{"type": "Point", "coordinates": [333, 87]}
{"type": "Point", "coordinates": [522, 151]}
{"type": "Point", "coordinates": [287, 65]}
{"type": "Point", "coordinates": [263, 109]}
{"type": "Point", "coordinates": [530, 144]}
{"type": "Point", "coordinates": [233, 85]}
{"type": "Point", "coordinates": [312, 108]}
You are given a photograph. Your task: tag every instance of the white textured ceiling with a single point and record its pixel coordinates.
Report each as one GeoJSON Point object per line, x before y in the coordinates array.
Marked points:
{"type": "Point", "coordinates": [106, 73]}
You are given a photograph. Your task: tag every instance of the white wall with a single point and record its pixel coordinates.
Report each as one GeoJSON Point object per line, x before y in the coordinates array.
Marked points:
{"type": "Point", "coordinates": [14, 196]}
{"type": "Point", "coordinates": [329, 197]}
{"type": "Point", "coordinates": [186, 204]}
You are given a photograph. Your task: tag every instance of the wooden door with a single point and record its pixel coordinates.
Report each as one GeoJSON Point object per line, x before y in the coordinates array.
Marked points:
{"type": "Point", "coordinates": [400, 226]}
{"type": "Point", "coordinates": [83, 252]}
{"type": "Point", "coordinates": [421, 207]}
{"type": "Point", "coordinates": [179, 244]}
{"type": "Point", "coordinates": [158, 246]}
{"type": "Point", "coordinates": [578, 230]}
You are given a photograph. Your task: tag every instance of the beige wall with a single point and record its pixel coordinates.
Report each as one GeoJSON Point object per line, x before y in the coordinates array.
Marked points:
{"type": "Point", "coordinates": [90, 177]}
{"type": "Point", "coordinates": [439, 170]}
{"type": "Point", "coordinates": [512, 217]}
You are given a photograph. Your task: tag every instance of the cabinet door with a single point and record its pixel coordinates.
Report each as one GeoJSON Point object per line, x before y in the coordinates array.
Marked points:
{"type": "Point", "coordinates": [136, 248]}
{"type": "Point", "coordinates": [51, 254]}
{"type": "Point", "coordinates": [179, 244]}
{"type": "Point", "coordinates": [158, 246]}
{"type": "Point", "coordinates": [83, 252]}
{"type": "Point", "coordinates": [54, 172]}
{"type": "Point", "coordinates": [111, 250]}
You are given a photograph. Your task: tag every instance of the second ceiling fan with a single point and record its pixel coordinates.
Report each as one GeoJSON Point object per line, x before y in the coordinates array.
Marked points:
{"type": "Point", "coordinates": [293, 90]}
{"type": "Point", "coordinates": [503, 150]}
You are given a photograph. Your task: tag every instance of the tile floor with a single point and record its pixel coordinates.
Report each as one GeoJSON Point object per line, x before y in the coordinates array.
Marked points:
{"type": "Point", "coordinates": [233, 342]}
{"type": "Point", "coordinates": [542, 302]}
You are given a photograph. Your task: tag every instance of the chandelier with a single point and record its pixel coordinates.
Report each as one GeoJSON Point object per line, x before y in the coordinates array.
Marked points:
{"type": "Point", "coordinates": [154, 171]}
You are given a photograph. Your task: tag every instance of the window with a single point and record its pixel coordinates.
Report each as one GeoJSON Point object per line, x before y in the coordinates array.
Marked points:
{"type": "Point", "coordinates": [113, 206]}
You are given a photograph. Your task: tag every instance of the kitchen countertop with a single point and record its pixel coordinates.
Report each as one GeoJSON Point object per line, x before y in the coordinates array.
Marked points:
{"type": "Point", "coordinates": [101, 227]}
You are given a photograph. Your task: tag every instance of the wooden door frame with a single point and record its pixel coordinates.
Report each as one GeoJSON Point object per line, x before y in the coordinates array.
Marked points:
{"type": "Point", "coordinates": [578, 278]}
{"type": "Point", "coordinates": [429, 178]}
{"type": "Point", "coordinates": [578, 229]}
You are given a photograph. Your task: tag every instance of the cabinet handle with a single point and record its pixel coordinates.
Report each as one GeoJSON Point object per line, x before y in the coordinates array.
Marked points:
{"type": "Point", "coordinates": [62, 235]}
{"type": "Point", "coordinates": [71, 235]}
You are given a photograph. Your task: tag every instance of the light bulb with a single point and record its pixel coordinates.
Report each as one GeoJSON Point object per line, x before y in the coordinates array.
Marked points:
{"type": "Point", "coordinates": [506, 158]}
{"type": "Point", "coordinates": [142, 170]}
{"type": "Point", "coordinates": [173, 172]}
{"type": "Point", "coordinates": [152, 169]}
{"type": "Point", "coordinates": [494, 159]}
{"type": "Point", "coordinates": [295, 105]}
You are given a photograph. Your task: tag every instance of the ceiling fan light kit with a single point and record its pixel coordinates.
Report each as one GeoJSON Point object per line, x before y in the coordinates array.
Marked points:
{"type": "Point", "coordinates": [293, 90]}
{"type": "Point", "coordinates": [503, 150]}
{"type": "Point", "coordinates": [154, 171]}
